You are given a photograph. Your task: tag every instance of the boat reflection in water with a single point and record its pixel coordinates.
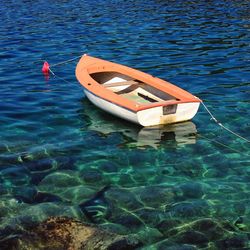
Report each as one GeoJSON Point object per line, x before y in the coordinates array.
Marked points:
{"type": "Point", "coordinates": [181, 133]}
{"type": "Point", "coordinates": [136, 136]}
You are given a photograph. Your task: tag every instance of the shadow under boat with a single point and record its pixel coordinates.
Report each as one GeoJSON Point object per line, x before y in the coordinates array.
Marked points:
{"type": "Point", "coordinates": [136, 136]}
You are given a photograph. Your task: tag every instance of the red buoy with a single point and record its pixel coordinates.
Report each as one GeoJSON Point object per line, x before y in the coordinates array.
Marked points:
{"type": "Point", "coordinates": [45, 68]}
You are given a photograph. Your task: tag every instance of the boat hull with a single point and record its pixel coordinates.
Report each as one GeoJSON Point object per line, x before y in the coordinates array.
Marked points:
{"type": "Point", "coordinates": [148, 117]}
{"type": "Point", "coordinates": [112, 108]}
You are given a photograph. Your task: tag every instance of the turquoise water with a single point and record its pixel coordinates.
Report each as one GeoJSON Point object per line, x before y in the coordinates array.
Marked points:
{"type": "Point", "coordinates": [183, 186]}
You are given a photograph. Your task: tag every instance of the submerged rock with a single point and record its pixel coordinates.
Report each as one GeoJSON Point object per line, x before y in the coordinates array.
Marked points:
{"type": "Point", "coordinates": [189, 209]}
{"type": "Point", "coordinates": [234, 242]}
{"type": "Point", "coordinates": [213, 229]}
{"type": "Point", "coordinates": [91, 175]}
{"type": "Point", "coordinates": [189, 190]}
{"type": "Point", "coordinates": [64, 233]}
{"type": "Point", "coordinates": [35, 197]}
{"type": "Point", "coordinates": [97, 208]}
{"type": "Point", "coordinates": [191, 237]}
{"type": "Point", "coordinates": [154, 196]}
{"type": "Point", "coordinates": [114, 228]}
{"type": "Point", "coordinates": [150, 216]}
{"type": "Point", "coordinates": [77, 194]}
{"type": "Point", "coordinates": [124, 198]}
{"type": "Point", "coordinates": [219, 234]}
{"type": "Point", "coordinates": [167, 224]}
{"type": "Point", "coordinates": [129, 220]}
{"type": "Point", "coordinates": [43, 165]}
{"type": "Point", "coordinates": [169, 245]}
{"type": "Point", "coordinates": [61, 179]}
{"type": "Point", "coordinates": [149, 235]}
{"type": "Point", "coordinates": [109, 167]}
{"type": "Point", "coordinates": [14, 176]}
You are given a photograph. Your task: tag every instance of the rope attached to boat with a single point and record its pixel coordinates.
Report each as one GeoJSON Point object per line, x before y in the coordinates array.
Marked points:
{"type": "Point", "coordinates": [63, 62]}
{"type": "Point", "coordinates": [46, 69]}
{"type": "Point", "coordinates": [58, 76]}
{"type": "Point", "coordinates": [221, 125]}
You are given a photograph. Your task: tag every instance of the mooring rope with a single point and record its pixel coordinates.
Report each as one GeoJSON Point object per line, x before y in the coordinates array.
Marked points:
{"type": "Point", "coordinates": [222, 144]}
{"type": "Point", "coordinates": [221, 125]}
{"type": "Point", "coordinates": [58, 76]}
{"type": "Point", "coordinates": [63, 62]}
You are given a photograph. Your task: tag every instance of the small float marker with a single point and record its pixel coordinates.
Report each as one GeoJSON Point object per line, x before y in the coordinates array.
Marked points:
{"type": "Point", "coordinates": [45, 68]}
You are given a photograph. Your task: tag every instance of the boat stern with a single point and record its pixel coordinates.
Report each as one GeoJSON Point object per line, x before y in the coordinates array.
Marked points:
{"type": "Point", "coordinates": [168, 114]}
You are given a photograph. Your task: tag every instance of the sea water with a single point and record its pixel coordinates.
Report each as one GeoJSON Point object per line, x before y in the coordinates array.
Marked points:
{"type": "Point", "coordinates": [183, 186]}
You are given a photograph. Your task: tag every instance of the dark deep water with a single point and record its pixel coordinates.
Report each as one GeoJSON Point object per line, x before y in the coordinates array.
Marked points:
{"type": "Point", "coordinates": [184, 186]}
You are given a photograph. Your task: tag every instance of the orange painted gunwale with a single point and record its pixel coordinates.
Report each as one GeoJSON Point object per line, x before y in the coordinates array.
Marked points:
{"type": "Point", "coordinates": [89, 65]}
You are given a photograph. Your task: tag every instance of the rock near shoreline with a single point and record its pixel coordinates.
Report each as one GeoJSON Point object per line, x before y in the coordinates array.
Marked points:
{"type": "Point", "coordinates": [61, 233]}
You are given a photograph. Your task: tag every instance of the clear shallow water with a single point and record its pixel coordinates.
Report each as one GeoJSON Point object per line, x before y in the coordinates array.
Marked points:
{"type": "Point", "coordinates": [165, 184]}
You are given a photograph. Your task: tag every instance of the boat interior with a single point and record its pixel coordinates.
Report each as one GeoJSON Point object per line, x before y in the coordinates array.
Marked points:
{"type": "Point", "coordinates": [130, 88]}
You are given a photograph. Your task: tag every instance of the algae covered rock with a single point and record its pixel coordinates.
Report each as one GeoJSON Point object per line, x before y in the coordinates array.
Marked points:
{"type": "Point", "coordinates": [64, 233]}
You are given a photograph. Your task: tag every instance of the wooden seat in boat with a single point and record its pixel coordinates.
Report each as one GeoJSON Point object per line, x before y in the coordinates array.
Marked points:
{"type": "Point", "coordinates": [116, 84]}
